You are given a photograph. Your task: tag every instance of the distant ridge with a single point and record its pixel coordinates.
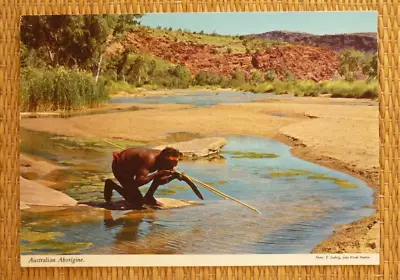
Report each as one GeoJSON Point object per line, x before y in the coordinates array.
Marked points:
{"type": "Point", "coordinates": [363, 41]}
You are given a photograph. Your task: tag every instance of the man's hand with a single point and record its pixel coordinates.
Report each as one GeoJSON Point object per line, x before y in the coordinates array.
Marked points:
{"type": "Point", "coordinates": [164, 180]}
{"type": "Point", "coordinates": [163, 173]}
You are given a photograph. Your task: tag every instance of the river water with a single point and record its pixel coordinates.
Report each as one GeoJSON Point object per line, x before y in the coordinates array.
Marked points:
{"type": "Point", "coordinates": [300, 203]}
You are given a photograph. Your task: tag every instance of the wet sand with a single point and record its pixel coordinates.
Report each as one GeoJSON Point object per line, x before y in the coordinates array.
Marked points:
{"type": "Point", "coordinates": [342, 134]}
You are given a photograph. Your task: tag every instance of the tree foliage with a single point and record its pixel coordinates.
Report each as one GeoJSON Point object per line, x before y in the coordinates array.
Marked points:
{"type": "Point", "coordinates": [350, 62]}
{"type": "Point", "coordinates": [65, 40]}
{"type": "Point", "coordinates": [370, 66]}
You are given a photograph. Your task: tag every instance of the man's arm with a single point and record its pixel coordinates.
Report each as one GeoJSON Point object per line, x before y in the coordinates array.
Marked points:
{"type": "Point", "coordinates": [142, 177]}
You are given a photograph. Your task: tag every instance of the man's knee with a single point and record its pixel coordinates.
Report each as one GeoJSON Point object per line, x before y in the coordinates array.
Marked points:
{"type": "Point", "coordinates": [134, 197]}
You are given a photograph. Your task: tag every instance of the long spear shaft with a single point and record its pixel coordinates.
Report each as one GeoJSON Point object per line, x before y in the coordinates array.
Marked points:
{"type": "Point", "coordinates": [219, 192]}
{"type": "Point", "coordinates": [208, 187]}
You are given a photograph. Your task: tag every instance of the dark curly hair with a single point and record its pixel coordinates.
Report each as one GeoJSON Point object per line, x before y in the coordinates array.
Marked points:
{"type": "Point", "coordinates": [168, 152]}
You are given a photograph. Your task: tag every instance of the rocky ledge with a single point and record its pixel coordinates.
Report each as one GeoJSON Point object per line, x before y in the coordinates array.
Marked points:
{"type": "Point", "coordinates": [35, 194]}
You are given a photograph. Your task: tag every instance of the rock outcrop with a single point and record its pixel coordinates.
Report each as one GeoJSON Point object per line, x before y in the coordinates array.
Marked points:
{"type": "Point", "coordinates": [35, 194]}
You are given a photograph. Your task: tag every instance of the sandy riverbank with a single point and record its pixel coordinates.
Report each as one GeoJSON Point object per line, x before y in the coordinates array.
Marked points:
{"type": "Point", "coordinates": [339, 133]}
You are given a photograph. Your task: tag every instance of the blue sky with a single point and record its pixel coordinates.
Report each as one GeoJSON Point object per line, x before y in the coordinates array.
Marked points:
{"type": "Point", "coordinates": [248, 23]}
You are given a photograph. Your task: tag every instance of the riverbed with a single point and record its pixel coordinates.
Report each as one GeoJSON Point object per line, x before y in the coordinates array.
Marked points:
{"type": "Point", "coordinates": [301, 202]}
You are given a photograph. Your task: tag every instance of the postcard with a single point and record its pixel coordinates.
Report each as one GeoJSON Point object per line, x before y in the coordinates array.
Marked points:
{"type": "Point", "coordinates": [199, 139]}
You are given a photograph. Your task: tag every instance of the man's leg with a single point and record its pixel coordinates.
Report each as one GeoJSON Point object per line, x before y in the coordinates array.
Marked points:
{"type": "Point", "coordinates": [149, 196]}
{"type": "Point", "coordinates": [108, 190]}
{"type": "Point", "coordinates": [127, 191]}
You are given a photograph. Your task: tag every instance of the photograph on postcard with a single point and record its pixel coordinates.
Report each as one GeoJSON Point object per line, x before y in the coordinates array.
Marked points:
{"type": "Point", "coordinates": [199, 134]}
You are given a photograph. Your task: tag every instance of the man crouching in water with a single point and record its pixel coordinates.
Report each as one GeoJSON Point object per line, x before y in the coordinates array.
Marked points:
{"type": "Point", "coordinates": [133, 167]}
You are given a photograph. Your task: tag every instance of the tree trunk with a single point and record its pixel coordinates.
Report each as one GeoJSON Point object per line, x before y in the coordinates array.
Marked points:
{"type": "Point", "coordinates": [98, 68]}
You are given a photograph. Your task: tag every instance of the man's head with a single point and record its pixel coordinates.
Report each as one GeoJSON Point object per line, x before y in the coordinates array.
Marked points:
{"type": "Point", "coordinates": [168, 158]}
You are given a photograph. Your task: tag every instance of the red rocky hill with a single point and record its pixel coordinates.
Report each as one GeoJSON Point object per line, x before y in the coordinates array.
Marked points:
{"type": "Point", "coordinates": [304, 62]}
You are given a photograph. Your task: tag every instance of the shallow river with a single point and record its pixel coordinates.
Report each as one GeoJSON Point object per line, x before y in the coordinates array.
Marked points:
{"type": "Point", "coordinates": [300, 202]}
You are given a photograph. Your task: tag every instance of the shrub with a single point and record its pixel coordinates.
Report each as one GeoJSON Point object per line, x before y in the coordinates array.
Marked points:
{"type": "Point", "coordinates": [265, 87]}
{"type": "Point", "coordinates": [256, 77]}
{"type": "Point", "coordinates": [224, 82]}
{"type": "Point", "coordinates": [356, 89]}
{"type": "Point", "coordinates": [270, 76]}
{"type": "Point", "coordinates": [247, 87]}
{"type": "Point", "coordinates": [282, 87]}
{"type": "Point", "coordinates": [238, 79]}
{"type": "Point", "coordinates": [122, 86]}
{"type": "Point", "coordinates": [204, 78]}
{"type": "Point", "coordinates": [289, 77]}
{"type": "Point", "coordinates": [60, 89]}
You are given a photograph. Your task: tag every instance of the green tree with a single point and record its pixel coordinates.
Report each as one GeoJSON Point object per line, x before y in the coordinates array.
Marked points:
{"type": "Point", "coordinates": [349, 63]}
{"type": "Point", "coordinates": [138, 72]}
{"type": "Point", "coordinates": [370, 66]}
{"type": "Point", "coordinates": [182, 76]}
{"type": "Point", "coordinates": [65, 40]}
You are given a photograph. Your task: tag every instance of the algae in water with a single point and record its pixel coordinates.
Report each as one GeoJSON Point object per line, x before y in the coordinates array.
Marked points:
{"type": "Point", "coordinates": [340, 182]}
{"type": "Point", "coordinates": [313, 176]}
{"type": "Point", "coordinates": [55, 247]}
{"type": "Point", "coordinates": [251, 155]}
{"type": "Point", "coordinates": [34, 236]}
{"type": "Point", "coordinates": [290, 173]}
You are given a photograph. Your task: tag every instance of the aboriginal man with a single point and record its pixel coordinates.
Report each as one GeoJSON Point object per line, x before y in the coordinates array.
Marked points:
{"type": "Point", "coordinates": [136, 167]}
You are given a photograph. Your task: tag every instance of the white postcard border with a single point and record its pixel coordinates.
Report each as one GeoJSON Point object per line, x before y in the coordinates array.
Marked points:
{"type": "Point", "coordinates": [197, 260]}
